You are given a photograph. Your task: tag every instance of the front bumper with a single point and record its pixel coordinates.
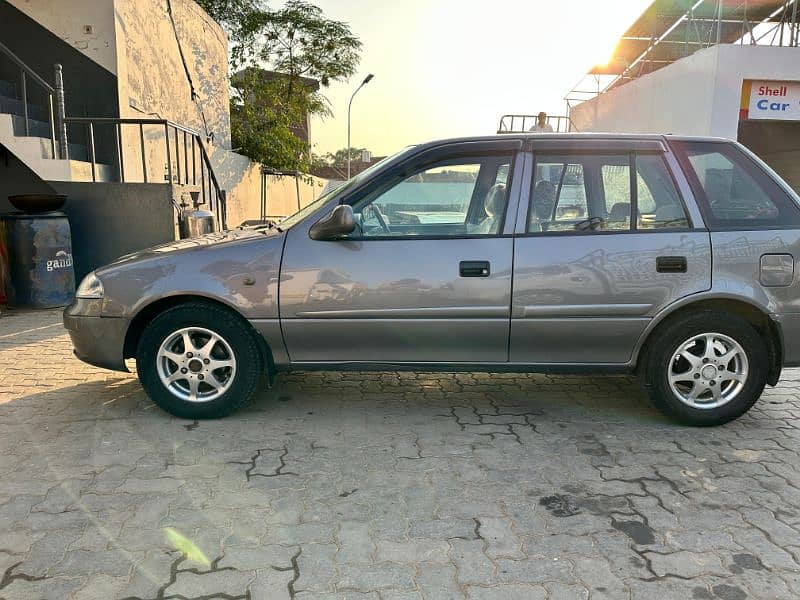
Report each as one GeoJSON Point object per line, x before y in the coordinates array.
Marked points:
{"type": "Point", "coordinates": [97, 340]}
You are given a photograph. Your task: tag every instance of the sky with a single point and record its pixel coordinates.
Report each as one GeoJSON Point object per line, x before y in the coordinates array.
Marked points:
{"type": "Point", "coordinates": [446, 68]}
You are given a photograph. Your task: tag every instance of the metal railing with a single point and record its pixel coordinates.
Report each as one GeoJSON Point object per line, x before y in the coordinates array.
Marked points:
{"type": "Point", "coordinates": [187, 159]}
{"type": "Point", "coordinates": [524, 123]}
{"type": "Point", "coordinates": [55, 99]}
{"type": "Point", "coordinates": [192, 164]}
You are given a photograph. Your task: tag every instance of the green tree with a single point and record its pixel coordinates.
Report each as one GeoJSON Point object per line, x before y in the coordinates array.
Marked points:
{"type": "Point", "coordinates": [268, 123]}
{"type": "Point", "coordinates": [297, 41]}
{"type": "Point", "coordinates": [234, 16]}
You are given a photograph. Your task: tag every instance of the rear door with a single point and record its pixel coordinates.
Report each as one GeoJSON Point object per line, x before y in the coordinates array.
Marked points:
{"type": "Point", "coordinates": [606, 243]}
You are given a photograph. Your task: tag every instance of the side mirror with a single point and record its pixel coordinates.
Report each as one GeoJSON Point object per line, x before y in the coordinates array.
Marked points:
{"type": "Point", "coordinates": [339, 222]}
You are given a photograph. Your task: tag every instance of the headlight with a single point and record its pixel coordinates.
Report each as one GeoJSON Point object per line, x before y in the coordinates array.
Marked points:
{"type": "Point", "coordinates": [90, 288]}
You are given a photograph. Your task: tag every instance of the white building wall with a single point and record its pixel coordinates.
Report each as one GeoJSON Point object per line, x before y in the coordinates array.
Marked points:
{"type": "Point", "coordinates": [697, 95]}
{"type": "Point", "coordinates": [737, 63]}
{"type": "Point", "coordinates": [68, 19]}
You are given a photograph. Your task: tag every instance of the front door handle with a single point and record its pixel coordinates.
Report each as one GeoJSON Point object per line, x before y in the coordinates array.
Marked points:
{"type": "Point", "coordinates": [474, 268]}
{"type": "Point", "coordinates": [671, 264]}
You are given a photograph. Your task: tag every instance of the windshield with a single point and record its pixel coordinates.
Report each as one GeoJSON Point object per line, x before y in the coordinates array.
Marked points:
{"type": "Point", "coordinates": [293, 220]}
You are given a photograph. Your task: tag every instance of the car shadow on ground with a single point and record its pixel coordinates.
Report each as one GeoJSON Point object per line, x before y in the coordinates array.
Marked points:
{"type": "Point", "coordinates": [402, 395]}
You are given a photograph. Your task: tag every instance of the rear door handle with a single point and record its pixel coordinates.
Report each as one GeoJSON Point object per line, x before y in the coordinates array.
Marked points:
{"type": "Point", "coordinates": [671, 264]}
{"type": "Point", "coordinates": [474, 268]}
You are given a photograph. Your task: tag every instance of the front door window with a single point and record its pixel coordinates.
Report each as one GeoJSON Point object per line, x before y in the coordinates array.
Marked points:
{"type": "Point", "coordinates": [461, 197]}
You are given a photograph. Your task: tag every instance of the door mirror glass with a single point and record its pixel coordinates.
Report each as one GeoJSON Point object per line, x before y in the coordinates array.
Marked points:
{"type": "Point", "coordinates": [340, 222]}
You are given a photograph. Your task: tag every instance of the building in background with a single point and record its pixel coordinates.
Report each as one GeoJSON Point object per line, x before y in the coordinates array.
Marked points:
{"type": "Point", "coordinates": [704, 67]}
{"type": "Point", "coordinates": [145, 123]}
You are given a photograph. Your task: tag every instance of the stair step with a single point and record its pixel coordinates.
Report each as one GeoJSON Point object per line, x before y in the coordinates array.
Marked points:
{"type": "Point", "coordinates": [76, 151]}
{"type": "Point", "coordinates": [35, 128]}
{"type": "Point", "coordinates": [16, 107]}
{"type": "Point", "coordinates": [8, 89]}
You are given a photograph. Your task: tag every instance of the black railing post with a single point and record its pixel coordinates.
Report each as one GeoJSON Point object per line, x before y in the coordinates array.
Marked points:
{"type": "Point", "coordinates": [120, 151]}
{"type": "Point", "coordinates": [24, 85]}
{"type": "Point", "coordinates": [52, 127]}
{"type": "Point", "coordinates": [144, 157]}
{"type": "Point", "coordinates": [61, 114]}
{"type": "Point", "coordinates": [92, 154]}
{"type": "Point", "coordinates": [177, 157]}
{"type": "Point", "coordinates": [169, 157]}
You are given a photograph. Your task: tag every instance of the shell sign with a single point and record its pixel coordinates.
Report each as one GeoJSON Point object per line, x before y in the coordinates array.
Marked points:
{"type": "Point", "coordinates": [771, 100]}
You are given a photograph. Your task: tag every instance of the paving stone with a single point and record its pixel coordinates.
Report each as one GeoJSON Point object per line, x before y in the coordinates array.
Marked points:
{"type": "Point", "coordinates": [413, 551]}
{"type": "Point", "coordinates": [471, 561]}
{"type": "Point", "coordinates": [501, 542]}
{"type": "Point", "coordinates": [355, 544]}
{"type": "Point", "coordinates": [507, 592]}
{"type": "Point", "coordinates": [393, 486]}
{"type": "Point", "coordinates": [685, 564]}
{"type": "Point", "coordinates": [375, 577]}
{"type": "Point", "coordinates": [316, 567]}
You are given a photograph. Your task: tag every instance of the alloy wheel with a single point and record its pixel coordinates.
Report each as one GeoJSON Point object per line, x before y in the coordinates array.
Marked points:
{"type": "Point", "coordinates": [196, 364]}
{"type": "Point", "coordinates": [708, 370]}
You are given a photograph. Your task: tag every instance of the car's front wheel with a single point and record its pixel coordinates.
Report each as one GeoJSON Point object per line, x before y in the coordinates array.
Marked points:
{"type": "Point", "coordinates": [198, 361]}
{"type": "Point", "coordinates": [707, 368]}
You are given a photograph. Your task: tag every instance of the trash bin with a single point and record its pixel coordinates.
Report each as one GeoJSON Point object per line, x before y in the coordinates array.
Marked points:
{"type": "Point", "coordinates": [38, 249]}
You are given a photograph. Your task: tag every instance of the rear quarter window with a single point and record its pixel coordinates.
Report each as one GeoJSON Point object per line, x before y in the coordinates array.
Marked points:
{"type": "Point", "coordinates": [733, 192]}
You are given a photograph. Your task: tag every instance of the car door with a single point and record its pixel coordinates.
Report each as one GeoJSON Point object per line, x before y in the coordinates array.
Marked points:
{"type": "Point", "coordinates": [607, 241]}
{"type": "Point", "coordinates": [426, 275]}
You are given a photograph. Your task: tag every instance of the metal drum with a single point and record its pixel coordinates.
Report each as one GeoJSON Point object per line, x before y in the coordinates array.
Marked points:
{"type": "Point", "coordinates": [39, 252]}
{"type": "Point", "coordinates": [197, 222]}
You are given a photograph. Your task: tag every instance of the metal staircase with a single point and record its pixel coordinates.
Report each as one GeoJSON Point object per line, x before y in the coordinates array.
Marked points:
{"type": "Point", "coordinates": [34, 127]}
{"type": "Point", "coordinates": [28, 126]}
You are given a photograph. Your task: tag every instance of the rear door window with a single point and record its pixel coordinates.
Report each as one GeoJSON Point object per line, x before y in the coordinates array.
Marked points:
{"type": "Point", "coordinates": [734, 192]}
{"type": "Point", "coordinates": [597, 192]}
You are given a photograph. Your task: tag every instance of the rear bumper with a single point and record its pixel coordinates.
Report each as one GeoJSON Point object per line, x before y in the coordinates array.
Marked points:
{"type": "Point", "coordinates": [98, 341]}
{"type": "Point", "coordinates": [789, 325]}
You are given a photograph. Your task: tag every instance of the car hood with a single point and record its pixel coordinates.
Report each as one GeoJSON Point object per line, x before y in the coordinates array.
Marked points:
{"type": "Point", "coordinates": [241, 234]}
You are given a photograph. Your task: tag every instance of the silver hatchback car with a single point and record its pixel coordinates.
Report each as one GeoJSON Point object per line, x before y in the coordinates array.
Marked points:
{"type": "Point", "coordinates": [669, 257]}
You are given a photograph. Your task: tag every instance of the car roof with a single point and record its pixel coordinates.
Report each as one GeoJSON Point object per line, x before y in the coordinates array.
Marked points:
{"type": "Point", "coordinates": [574, 136]}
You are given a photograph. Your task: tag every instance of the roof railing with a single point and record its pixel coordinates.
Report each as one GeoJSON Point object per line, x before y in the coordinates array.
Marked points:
{"type": "Point", "coordinates": [527, 123]}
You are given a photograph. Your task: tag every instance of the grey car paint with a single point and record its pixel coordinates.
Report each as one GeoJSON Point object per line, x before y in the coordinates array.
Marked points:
{"type": "Point", "coordinates": [401, 299]}
{"type": "Point", "coordinates": [362, 304]}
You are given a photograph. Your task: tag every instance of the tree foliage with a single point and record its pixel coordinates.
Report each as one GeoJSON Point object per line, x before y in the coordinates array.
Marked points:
{"type": "Point", "coordinates": [298, 41]}
{"type": "Point", "coordinates": [339, 158]}
{"type": "Point", "coordinates": [268, 123]}
{"type": "Point", "coordinates": [234, 15]}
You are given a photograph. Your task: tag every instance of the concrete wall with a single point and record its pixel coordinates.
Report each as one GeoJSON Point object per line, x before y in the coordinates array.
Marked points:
{"type": "Point", "coordinates": [241, 178]}
{"type": "Point", "coordinates": [137, 41]}
{"type": "Point", "coordinates": [152, 79]}
{"type": "Point", "coordinates": [16, 178]}
{"type": "Point", "coordinates": [109, 220]}
{"type": "Point", "coordinates": [69, 19]}
{"type": "Point", "coordinates": [91, 89]}
{"type": "Point", "coordinates": [697, 95]}
{"type": "Point", "coordinates": [675, 99]}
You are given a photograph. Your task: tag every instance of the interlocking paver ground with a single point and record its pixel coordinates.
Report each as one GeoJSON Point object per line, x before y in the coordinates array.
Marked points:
{"type": "Point", "coordinates": [385, 486]}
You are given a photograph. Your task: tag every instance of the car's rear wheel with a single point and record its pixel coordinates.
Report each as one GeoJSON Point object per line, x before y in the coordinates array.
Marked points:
{"type": "Point", "coordinates": [198, 361]}
{"type": "Point", "coordinates": [707, 368]}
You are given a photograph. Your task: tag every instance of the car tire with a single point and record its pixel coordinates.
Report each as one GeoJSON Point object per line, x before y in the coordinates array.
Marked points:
{"type": "Point", "coordinates": [706, 368]}
{"type": "Point", "coordinates": [214, 377]}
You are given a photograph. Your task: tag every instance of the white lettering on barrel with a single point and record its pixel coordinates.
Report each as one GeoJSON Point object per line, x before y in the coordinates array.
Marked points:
{"type": "Point", "coordinates": [62, 260]}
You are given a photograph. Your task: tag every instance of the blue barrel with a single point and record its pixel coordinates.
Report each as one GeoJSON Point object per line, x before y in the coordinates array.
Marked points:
{"type": "Point", "coordinates": [39, 251]}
